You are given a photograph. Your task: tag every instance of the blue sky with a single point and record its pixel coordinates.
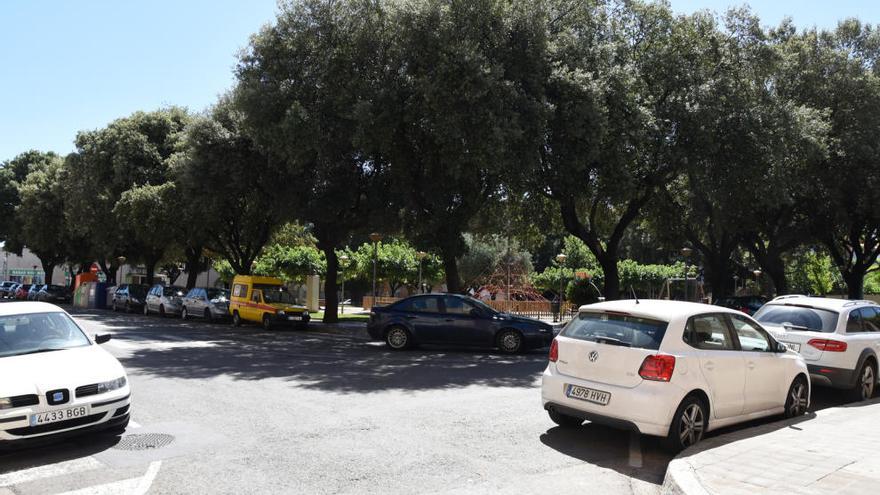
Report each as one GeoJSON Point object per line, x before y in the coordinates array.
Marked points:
{"type": "Point", "coordinates": [73, 65]}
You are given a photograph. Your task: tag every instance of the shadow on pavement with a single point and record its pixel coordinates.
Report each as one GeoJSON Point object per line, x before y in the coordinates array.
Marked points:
{"type": "Point", "coordinates": [53, 450]}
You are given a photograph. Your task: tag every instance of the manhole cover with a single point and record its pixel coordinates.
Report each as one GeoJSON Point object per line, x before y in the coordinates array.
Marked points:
{"type": "Point", "coordinates": [144, 442]}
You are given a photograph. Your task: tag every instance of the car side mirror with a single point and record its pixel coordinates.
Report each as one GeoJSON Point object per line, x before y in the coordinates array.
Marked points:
{"type": "Point", "coordinates": [476, 313]}
{"type": "Point", "coordinates": [102, 338]}
{"type": "Point", "coordinates": [780, 347]}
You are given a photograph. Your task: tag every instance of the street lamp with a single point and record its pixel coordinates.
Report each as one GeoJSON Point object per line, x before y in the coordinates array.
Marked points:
{"type": "Point", "coordinates": [343, 262]}
{"type": "Point", "coordinates": [735, 284]}
{"type": "Point", "coordinates": [686, 253]}
{"type": "Point", "coordinates": [560, 259]}
{"type": "Point", "coordinates": [375, 238]}
{"type": "Point", "coordinates": [421, 256]}
{"type": "Point", "coordinates": [120, 260]}
{"type": "Point", "coordinates": [757, 280]}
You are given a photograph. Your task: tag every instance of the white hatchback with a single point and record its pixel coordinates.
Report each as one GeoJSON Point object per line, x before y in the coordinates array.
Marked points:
{"type": "Point", "coordinates": [54, 379]}
{"type": "Point", "coordinates": [839, 339]}
{"type": "Point", "coordinates": [670, 369]}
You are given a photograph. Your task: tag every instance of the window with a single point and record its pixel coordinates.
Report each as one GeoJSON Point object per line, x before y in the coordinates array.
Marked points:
{"type": "Point", "coordinates": [854, 322]}
{"type": "Point", "coordinates": [870, 319]}
{"type": "Point", "coordinates": [798, 318]}
{"type": "Point", "coordinates": [709, 332]}
{"type": "Point", "coordinates": [430, 304]}
{"type": "Point", "coordinates": [457, 306]}
{"type": "Point", "coordinates": [239, 290]}
{"type": "Point", "coordinates": [256, 296]}
{"type": "Point", "coordinates": [39, 332]}
{"type": "Point", "coordinates": [750, 337]}
{"type": "Point", "coordinates": [617, 329]}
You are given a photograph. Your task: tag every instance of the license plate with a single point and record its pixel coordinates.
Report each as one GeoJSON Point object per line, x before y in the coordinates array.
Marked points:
{"type": "Point", "coordinates": [298, 317]}
{"type": "Point", "coordinates": [59, 415]}
{"type": "Point", "coordinates": [793, 346]}
{"type": "Point", "coordinates": [588, 394]}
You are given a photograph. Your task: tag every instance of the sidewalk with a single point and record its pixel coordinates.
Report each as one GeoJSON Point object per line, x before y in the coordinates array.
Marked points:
{"type": "Point", "coordinates": [832, 451]}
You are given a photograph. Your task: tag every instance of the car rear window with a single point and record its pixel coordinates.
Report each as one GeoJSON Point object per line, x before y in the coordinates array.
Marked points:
{"type": "Point", "coordinates": [798, 318]}
{"type": "Point", "coordinates": [626, 330]}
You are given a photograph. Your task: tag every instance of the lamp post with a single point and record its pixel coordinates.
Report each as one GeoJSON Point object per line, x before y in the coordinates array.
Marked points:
{"type": "Point", "coordinates": [560, 259]}
{"type": "Point", "coordinates": [120, 260]}
{"type": "Point", "coordinates": [758, 280]}
{"type": "Point", "coordinates": [735, 284]}
{"type": "Point", "coordinates": [375, 238]}
{"type": "Point", "coordinates": [686, 253]}
{"type": "Point", "coordinates": [421, 256]}
{"type": "Point", "coordinates": [343, 262]}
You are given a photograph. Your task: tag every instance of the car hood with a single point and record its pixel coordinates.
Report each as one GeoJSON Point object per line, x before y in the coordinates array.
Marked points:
{"type": "Point", "coordinates": [520, 319]}
{"type": "Point", "coordinates": [288, 307]}
{"type": "Point", "coordinates": [69, 368]}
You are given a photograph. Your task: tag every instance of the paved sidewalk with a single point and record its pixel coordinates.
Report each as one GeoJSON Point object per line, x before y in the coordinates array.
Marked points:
{"type": "Point", "coordinates": [832, 451]}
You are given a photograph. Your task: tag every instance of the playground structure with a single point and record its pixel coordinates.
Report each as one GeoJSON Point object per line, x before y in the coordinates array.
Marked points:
{"type": "Point", "coordinates": [684, 289]}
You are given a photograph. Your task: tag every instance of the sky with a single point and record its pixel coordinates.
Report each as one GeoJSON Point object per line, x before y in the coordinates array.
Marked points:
{"type": "Point", "coordinates": [68, 65]}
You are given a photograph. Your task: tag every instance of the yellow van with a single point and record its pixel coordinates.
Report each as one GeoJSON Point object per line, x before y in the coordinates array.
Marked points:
{"type": "Point", "coordinates": [265, 300]}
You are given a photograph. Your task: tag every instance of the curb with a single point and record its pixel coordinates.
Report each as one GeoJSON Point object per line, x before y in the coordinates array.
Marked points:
{"type": "Point", "coordinates": [681, 479]}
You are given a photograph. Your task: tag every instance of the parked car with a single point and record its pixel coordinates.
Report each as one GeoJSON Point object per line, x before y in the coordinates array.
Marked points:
{"type": "Point", "coordinates": [5, 288]}
{"type": "Point", "coordinates": [54, 294]}
{"type": "Point", "coordinates": [838, 339]}
{"type": "Point", "coordinates": [33, 291]}
{"type": "Point", "coordinates": [165, 300]}
{"type": "Point", "coordinates": [265, 300]}
{"type": "Point", "coordinates": [747, 304]}
{"type": "Point", "coordinates": [129, 297]}
{"type": "Point", "coordinates": [21, 291]}
{"type": "Point", "coordinates": [207, 303]}
{"type": "Point", "coordinates": [671, 369]}
{"type": "Point", "coordinates": [56, 380]}
{"type": "Point", "coordinates": [454, 319]}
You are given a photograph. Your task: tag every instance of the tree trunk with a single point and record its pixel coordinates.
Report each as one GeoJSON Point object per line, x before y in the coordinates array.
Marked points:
{"type": "Point", "coordinates": [775, 268]}
{"type": "Point", "coordinates": [331, 298]}
{"type": "Point", "coordinates": [718, 268]}
{"type": "Point", "coordinates": [855, 282]}
{"type": "Point", "coordinates": [194, 265]}
{"type": "Point", "coordinates": [612, 276]}
{"type": "Point", "coordinates": [450, 265]}
{"type": "Point", "coordinates": [48, 269]}
{"type": "Point", "coordinates": [151, 271]}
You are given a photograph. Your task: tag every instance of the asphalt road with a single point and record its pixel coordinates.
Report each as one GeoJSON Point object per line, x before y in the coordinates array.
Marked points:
{"type": "Point", "coordinates": [241, 410]}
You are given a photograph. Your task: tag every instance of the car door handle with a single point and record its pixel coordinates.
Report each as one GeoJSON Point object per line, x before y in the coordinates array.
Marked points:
{"type": "Point", "coordinates": [751, 365]}
{"type": "Point", "coordinates": [710, 366]}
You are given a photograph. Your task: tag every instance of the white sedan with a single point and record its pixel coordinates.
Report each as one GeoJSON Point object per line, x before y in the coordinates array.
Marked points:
{"type": "Point", "coordinates": [670, 369]}
{"type": "Point", "coordinates": [55, 379]}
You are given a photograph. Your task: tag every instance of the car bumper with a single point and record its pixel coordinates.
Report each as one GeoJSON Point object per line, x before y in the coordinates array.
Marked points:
{"type": "Point", "coordinates": [825, 376]}
{"type": "Point", "coordinates": [536, 341]}
{"type": "Point", "coordinates": [286, 321]}
{"type": "Point", "coordinates": [646, 408]}
{"type": "Point", "coordinates": [105, 411]}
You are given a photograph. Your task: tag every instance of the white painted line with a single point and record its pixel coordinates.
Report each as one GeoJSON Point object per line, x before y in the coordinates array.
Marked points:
{"type": "Point", "coordinates": [635, 450]}
{"type": "Point", "coordinates": [49, 471]}
{"type": "Point", "coordinates": [147, 481]}
{"type": "Point", "coordinates": [133, 424]}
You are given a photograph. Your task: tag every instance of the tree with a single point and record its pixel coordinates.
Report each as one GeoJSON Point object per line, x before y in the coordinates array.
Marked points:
{"type": "Point", "coordinates": [12, 175]}
{"type": "Point", "coordinates": [143, 215]}
{"type": "Point", "coordinates": [291, 263]}
{"type": "Point", "coordinates": [235, 185]}
{"type": "Point", "coordinates": [309, 89]}
{"type": "Point", "coordinates": [130, 152]}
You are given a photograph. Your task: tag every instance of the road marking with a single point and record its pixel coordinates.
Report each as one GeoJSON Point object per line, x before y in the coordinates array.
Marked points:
{"type": "Point", "coordinates": [49, 471]}
{"type": "Point", "coordinates": [147, 481]}
{"type": "Point", "coordinates": [131, 486]}
{"type": "Point", "coordinates": [635, 450]}
{"type": "Point", "coordinates": [134, 424]}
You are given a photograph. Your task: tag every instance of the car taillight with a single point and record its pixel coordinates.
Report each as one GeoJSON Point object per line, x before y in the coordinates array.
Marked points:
{"type": "Point", "coordinates": [658, 368]}
{"type": "Point", "coordinates": [554, 351]}
{"type": "Point", "coordinates": [828, 345]}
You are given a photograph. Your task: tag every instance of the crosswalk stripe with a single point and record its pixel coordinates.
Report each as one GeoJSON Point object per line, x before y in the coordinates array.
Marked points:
{"type": "Point", "coordinates": [131, 486]}
{"type": "Point", "coordinates": [48, 471]}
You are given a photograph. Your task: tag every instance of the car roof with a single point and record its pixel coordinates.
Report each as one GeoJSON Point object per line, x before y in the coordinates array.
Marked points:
{"type": "Point", "coordinates": [27, 307]}
{"type": "Point", "coordinates": [657, 308]}
{"type": "Point", "coordinates": [819, 302]}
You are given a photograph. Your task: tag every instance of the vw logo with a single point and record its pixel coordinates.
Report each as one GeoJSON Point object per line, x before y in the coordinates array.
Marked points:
{"type": "Point", "coordinates": [594, 355]}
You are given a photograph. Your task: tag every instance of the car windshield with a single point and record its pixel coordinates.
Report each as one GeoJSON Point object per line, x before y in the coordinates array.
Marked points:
{"type": "Point", "coordinates": [218, 294]}
{"type": "Point", "coordinates": [39, 332]}
{"type": "Point", "coordinates": [275, 294]}
{"type": "Point", "coordinates": [615, 329]}
{"type": "Point", "coordinates": [798, 318]}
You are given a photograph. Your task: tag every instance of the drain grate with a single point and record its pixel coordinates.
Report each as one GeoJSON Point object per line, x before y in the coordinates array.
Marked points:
{"type": "Point", "coordinates": [146, 441]}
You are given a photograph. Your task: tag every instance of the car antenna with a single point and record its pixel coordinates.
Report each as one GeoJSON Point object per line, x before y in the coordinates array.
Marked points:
{"type": "Point", "coordinates": [634, 294]}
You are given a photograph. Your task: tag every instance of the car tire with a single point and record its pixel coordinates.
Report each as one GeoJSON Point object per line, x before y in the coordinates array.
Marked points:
{"type": "Point", "coordinates": [162, 311]}
{"type": "Point", "coordinates": [183, 315]}
{"type": "Point", "coordinates": [509, 341]}
{"type": "Point", "coordinates": [267, 322]}
{"type": "Point", "coordinates": [208, 315]}
{"type": "Point", "coordinates": [564, 420]}
{"type": "Point", "coordinates": [115, 309]}
{"type": "Point", "coordinates": [146, 310]}
{"type": "Point", "coordinates": [398, 338]}
{"type": "Point", "coordinates": [866, 382]}
{"type": "Point", "coordinates": [688, 424]}
{"type": "Point", "coordinates": [236, 319]}
{"type": "Point", "coordinates": [798, 398]}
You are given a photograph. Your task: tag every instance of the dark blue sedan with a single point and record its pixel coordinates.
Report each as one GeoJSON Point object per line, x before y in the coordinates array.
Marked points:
{"type": "Point", "coordinates": [454, 319]}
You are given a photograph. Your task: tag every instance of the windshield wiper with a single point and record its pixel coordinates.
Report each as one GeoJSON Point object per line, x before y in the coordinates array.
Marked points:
{"type": "Point", "coordinates": [799, 327]}
{"type": "Point", "coordinates": [612, 341]}
{"type": "Point", "coordinates": [37, 351]}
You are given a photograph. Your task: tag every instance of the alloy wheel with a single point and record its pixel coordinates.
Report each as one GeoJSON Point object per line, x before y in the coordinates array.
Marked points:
{"type": "Point", "coordinates": [867, 383]}
{"type": "Point", "coordinates": [510, 342]}
{"type": "Point", "coordinates": [797, 399]}
{"type": "Point", "coordinates": [691, 429]}
{"type": "Point", "coordinates": [397, 338]}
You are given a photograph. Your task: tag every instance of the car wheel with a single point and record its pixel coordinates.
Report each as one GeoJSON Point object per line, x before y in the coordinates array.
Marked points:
{"type": "Point", "coordinates": [398, 338]}
{"type": "Point", "coordinates": [865, 383]}
{"type": "Point", "coordinates": [183, 315]}
{"type": "Point", "coordinates": [688, 424]}
{"type": "Point", "coordinates": [115, 309]}
{"type": "Point", "coordinates": [798, 398]}
{"type": "Point", "coordinates": [509, 341]}
{"type": "Point", "coordinates": [564, 420]}
{"type": "Point", "coordinates": [208, 315]}
{"type": "Point", "coordinates": [267, 322]}
{"type": "Point", "coordinates": [236, 319]}
{"type": "Point", "coordinates": [161, 311]}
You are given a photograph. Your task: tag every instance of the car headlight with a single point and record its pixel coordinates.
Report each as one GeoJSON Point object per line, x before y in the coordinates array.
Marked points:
{"type": "Point", "coordinates": [5, 403]}
{"type": "Point", "coordinates": [281, 313]}
{"type": "Point", "coordinates": [112, 385]}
